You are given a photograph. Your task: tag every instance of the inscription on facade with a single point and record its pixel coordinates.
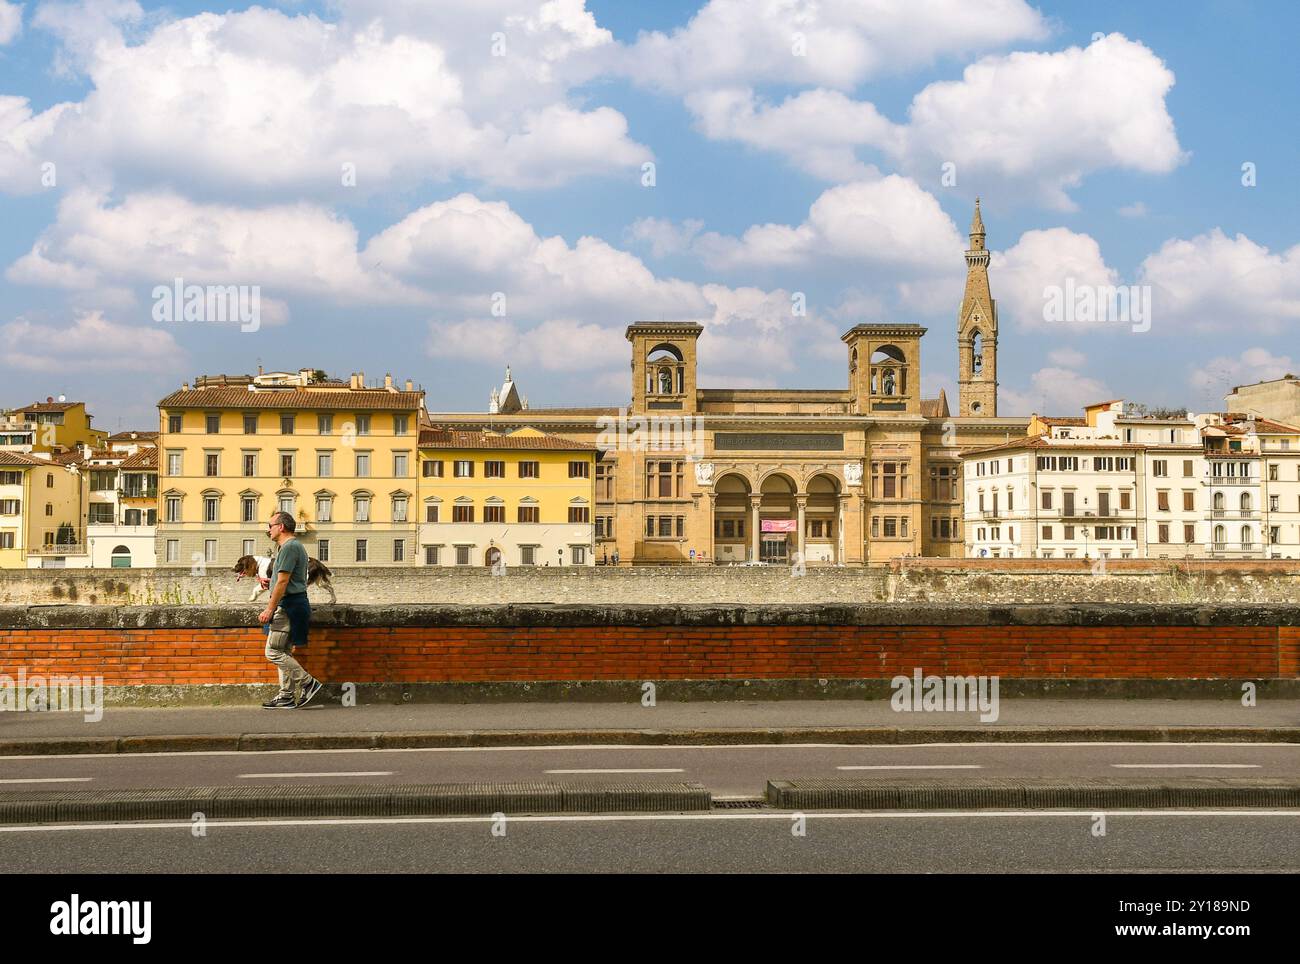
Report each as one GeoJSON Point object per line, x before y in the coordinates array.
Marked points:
{"type": "Point", "coordinates": [778, 441]}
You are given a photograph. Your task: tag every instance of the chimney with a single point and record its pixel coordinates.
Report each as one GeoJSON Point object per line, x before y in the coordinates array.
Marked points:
{"type": "Point", "coordinates": [49, 399]}
{"type": "Point", "coordinates": [388, 381]}
{"type": "Point", "coordinates": [409, 386]}
{"type": "Point", "coordinates": [185, 386]}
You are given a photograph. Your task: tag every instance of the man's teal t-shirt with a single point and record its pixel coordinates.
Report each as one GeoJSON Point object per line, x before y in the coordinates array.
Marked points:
{"type": "Point", "coordinates": [292, 558]}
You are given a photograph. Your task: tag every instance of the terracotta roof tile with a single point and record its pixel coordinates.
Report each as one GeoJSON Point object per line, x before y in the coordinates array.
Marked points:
{"type": "Point", "coordinates": [129, 436]}
{"type": "Point", "coordinates": [18, 458]}
{"type": "Point", "coordinates": [346, 400]}
{"type": "Point", "coordinates": [143, 459]}
{"type": "Point", "coordinates": [48, 407]}
{"type": "Point", "coordinates": [445, 439]}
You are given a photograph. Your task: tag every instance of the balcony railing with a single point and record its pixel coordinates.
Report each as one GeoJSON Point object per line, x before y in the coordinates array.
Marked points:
{"type": "Point", "coordinates": [1235, 546]}
{"type": "Point", "coordinates": [1233, 514]}
{"type": "Point", "coordinates": [1209, 479]}
{"type": "Point", "coordinates": [65, 550]}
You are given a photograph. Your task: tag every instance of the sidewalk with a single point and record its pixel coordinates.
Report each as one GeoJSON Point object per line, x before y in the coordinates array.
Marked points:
{"type": "Point", "coordinates": [787, 717]}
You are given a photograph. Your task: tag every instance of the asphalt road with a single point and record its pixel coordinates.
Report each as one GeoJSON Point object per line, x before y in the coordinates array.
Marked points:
{"type": "Point", "coordinates": [721, 842]}
{"type": "Point", "coordinates": [725, 770]}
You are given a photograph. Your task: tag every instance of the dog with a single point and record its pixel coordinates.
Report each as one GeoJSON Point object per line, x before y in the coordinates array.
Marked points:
{"type": "Point", "coordinates": [258, 568]}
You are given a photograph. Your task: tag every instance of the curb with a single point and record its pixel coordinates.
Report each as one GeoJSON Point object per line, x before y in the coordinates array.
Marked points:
{"type": "Point", "coordinates": [441, 799]}
{"type": "Point", "coordinates": [862, 736]}
{"type": "Point", "coordinates": [1029, 794]}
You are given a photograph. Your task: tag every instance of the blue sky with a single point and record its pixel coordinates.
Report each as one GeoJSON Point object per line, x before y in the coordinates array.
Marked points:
{"type": "Point", "coordinates": [207, 142]}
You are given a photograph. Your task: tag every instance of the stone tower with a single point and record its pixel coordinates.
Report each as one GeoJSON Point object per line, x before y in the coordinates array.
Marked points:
{"type": "Point", "coordinates": [977, 331]}
{"type": "Point", "coordinates": [663, 365]}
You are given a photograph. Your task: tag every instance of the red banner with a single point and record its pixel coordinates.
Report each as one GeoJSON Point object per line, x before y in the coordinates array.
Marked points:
{"type": "Point", "coordinates": [779, 525]}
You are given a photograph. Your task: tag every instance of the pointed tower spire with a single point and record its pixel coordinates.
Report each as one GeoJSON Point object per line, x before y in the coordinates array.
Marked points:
{"type": "Point", "coordinates": [977, 229]}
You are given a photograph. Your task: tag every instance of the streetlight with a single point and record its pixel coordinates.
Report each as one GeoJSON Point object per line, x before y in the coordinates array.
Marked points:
{"type": "Point", "coordinates": [1084, 530]}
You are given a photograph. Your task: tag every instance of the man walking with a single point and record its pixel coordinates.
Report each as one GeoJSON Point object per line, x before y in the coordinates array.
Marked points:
{"type": "Point", "coordinates": [288, 615]}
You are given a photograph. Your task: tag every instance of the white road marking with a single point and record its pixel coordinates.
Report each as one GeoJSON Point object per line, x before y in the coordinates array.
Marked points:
{"type": "Point", "coordinates": [644, 817]}
{"type": "Point", "coordinates": [918, 766]}
{"type": "Point", "coordinates": [663, 770]}
{"type": "Point", "coordinates": [337, 773]}
{"type": "Point", "coordinates": [52, 780]}
{"type": "Point", "coordinates": [640, 746]}
{"type": "Point", "coordinates": [1186, 766]}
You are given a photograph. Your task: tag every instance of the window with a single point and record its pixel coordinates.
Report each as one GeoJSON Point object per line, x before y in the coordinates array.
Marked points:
{"type": "Point", "coordinates": [1189, 500]}
{"type": "Point", "coordinates": [286, 464]}
{"type": "Point", "coordinates": [494, 513]}
{"type": "Point", "coordinates": [210, 505]}
{"type": "Point", "coordinates": [1069, 532]}
{"type": "Point", "coordinates": [1275, 534]}
{"type": "Point", "coordinates": [399, 550]}
{"type": "Point", "coordinates": [1162, 501]}
{"type": "Point", "coordinates": [174, 424]}
{"type": "Point", "coordinates": [891, 527]}
{"type": "Point", "coordinates": [173, 507]}
{"type": "Point", "coordinates": [605, 482]}
{"type": "Point", "coordinates": [101, 513]}
{"type": "Point", "coordinates": [943, 483]}
{"type": "Point", "coordinates": [361, 508]}
{"type": "Point", "coordinates": [578, 513]}
{"type": "Point", "coordinates": [324, 424]}
{"type": "Point", "coordinates": [1273, 503]}
{"type": "Point", "coordinates": [666, 526]}
{"type": "Point", "coordinates": [286, 504]}
{"type": "Point", "coordinates": [209, 550]}
{"type": "Point", "coordinates": [324, 464]}
{"type": "Point", "coordinates": [464, 469]}
{"type": "Point", "coordinates": [246, 547]}
{"type": "Point", "coordinates": [286, 424]}
{"type": "Point", "coordinates": [133, 517]}
{"type": "Point", "coordinates": [401, 461]}
{"type": "Point", "coordinates": [363, 465]}
{"type": "Point", "coordinates": [529, 470]}
{"type": "Point", "coordinates": [663, 479]}
{"type": "Point", "coordinates": [103, 480]}
{"type": "Point", "coordinates": [528, 555]}
{"type": "Point", "coordinates": [1047, 533]}
{"type": "Point", "coordinates": [211, 464]}
{"type": "Point", "coordinates": [1189, 533]}
{"type": "Point", "coordinates": [527, 513]}
{"type": "Point", "coordinates": [1163, 532]}
{"type": "Point", "coordinates": [1160, 468]}
{"type": "Point", "coordinates": [11, 478]}
{"type": "Point", "coordinates": [889, 480]}
{"type": "Point", "coordinates": [433, 469]}
{"type": "Point", "coordinates": [173, 463]}
{"type": "Point", "coordinates": [604, 527]}
{"type": "Point", "coordinates": [1047, 498]}
{"type": "Point", "coordinates": [1272, 472]}
{"type": "Point", "coordinates": [324, 508]}
{"type": "Point", "coordinates": [462, 555]}
{"type": "Point", "coordinates": [579, 470]}
{"type": "Point", "coordinates": [173, 552]}
{"type": "Point", "coordinates": [323, 550]}
{"type": "Point", "coordinates": [493, 469]}
{"type": "Point", "coordinates": [212, 423]}
{"type": "Point", "coordinates": [1187, 468]}
{"type": "Point", "coordinates": [579, 555]}
{"type": "Point", "coordinates": [363, 424]}
{"type": "Point", "coordinates": [248, 508]}
{"type": "Point", "coordinates": [249, 464]}
{"type": "Point", "coordinates": [362, 549]}
{"type": "Point", "coordinates": [250, 423]}
{"type": "Point", "coordinates": [431, 555]}
{"type": "Point", "coordinates": [462, 513]}
{"type": "Point", "coordinates": [10, 506]}
{"type": "Point", "coordinates": [401, 424]}
{"type": "Point", "coordinates": [1125, 500]}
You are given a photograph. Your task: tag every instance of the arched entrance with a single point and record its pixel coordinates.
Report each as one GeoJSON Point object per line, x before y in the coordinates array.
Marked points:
{"type": "Point", "coordinates": [731, 518]}
{"type": "Point", "coordinates": [121, 558]}
{"type": "Point", "coordinates": [822, 520]}
{"type": "Point", "coordinates": [492, 557]}
{"type": "Point", "coordinates": [778, 534]}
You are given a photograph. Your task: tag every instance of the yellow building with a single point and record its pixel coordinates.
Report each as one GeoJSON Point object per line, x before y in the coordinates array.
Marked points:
{"type": "Point", "coordinates": [519, 499]}
{"type": "Point", "coordinates": [340, 456]}
{"type": "Point", "coordinates": [42, 511]}
{"type": "Point", "coordinates": [49, 426]}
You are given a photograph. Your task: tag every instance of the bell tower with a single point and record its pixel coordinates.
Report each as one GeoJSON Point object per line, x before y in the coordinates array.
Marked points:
{"type": "Point", "coordinates": [663, 365]}
{"type": "Point", "coordinates": [977, 331]}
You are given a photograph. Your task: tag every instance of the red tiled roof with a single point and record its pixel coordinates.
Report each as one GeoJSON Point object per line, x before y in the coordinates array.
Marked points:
{"type": "Point", "coordinates": [524, 413]}
{"type": "Point", "coordinates": [445, 439]}
{"type": "Point", "coordinates": [346, 400]}
{"type": "Point", "coordinates": [18, 458]}
{"type": "Point", "coordinates": [48, 407]}
{"type": "Point", "coordinates": [143, 459]}
{"type": "Point", "coordinates": [1062, 420]}
{"type": "Point", "coordinates": [129, 436]}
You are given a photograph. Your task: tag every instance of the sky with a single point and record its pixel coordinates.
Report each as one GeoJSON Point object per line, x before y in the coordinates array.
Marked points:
{"type": "Point", "coordinates": [439, 188]}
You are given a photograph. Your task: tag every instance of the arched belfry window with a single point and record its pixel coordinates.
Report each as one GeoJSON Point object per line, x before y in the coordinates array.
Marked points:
{"type": "Point", "coordinates": [665, 371]}
{"type": "Point", "coordinates": [888, 371]}
{"type": "Point", "coordinates": [977, 356]}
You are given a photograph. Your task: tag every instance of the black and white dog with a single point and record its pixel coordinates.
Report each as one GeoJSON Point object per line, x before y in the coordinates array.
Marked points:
{"type": "Point", "coordinates": [258, 568]}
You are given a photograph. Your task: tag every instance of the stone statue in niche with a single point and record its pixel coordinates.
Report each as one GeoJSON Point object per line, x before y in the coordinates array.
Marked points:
{"type": "Point", "coordinates": [889, 381]}
{"type": "Point", "coordinates": [665, 382]}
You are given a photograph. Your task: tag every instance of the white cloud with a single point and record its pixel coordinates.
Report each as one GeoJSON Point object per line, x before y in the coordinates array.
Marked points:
{"type": "Point", "coordinates": [11, 21]}
{"type": "Point", "coordinates": [1043, 258]}
{"type": "Point", "coordinates": [1048, 119]}
{"type": "Point", "coordinates": [1053, 391]}
{"type": "Point", "coordinates": [1067, 358]}
{"type": "Point", "coordinates": [744, 42]}
{"type": "Point", "coordinates": [1215, 283]}
{"type": "Point", "coordinates": [260, 102]}
{"type": "Point", "coordinates": [890, 222]}
{"type": "Point", "coordinates": [1215, 378]}
{"type": "Point", "coordinates": [663, 236]}
{"type": "Point", "coordinates": [90, 343]}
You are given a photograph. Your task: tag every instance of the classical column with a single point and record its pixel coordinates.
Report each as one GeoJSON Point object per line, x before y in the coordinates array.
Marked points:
{"type": "Point", "coordinates": [713, 515]}
{"type": "Point", "coordinates": [754, 502]}
{"type": "Point", "coordinates": [802, 502]}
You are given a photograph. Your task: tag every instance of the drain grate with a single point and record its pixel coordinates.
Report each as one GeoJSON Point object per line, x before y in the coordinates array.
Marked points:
{"type": "Point", "coordinates": [745, 803]}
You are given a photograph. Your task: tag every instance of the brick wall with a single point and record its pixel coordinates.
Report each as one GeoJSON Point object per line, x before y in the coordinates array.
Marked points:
{"type": "Point", "coordinates": [193, 645]}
